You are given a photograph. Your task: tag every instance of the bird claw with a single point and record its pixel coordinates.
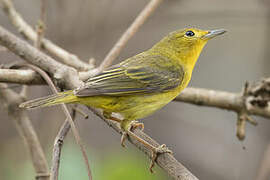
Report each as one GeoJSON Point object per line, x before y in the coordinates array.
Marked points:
{"type": "Point", "coordinates": [133, 125]}
{"type": "Point", "coordinates": [136, 124]}
{"type": "Point", "coordinates": [155, 150]}
{"type": "Point", "coordinates": [159, 150]}
{"type": "Point", "coordinates": [123, 138]}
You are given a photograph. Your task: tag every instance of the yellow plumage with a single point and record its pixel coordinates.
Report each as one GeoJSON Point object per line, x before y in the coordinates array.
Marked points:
{"type": "Point", "coordinates": [142, 84]}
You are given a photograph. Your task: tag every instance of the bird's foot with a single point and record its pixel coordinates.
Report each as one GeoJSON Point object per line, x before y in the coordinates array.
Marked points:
{"type": "Point", "coordinates": [157, 151]}
{"type": "Point", "coordinates": [131, 126]}
{"type": "Point", "coordinates": [127, 131]}
{"type": "Point", "coordinates": [134, 125]}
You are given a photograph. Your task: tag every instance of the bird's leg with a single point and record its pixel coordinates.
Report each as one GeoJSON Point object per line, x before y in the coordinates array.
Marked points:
{"type": "Point", "coordinates": [128, 127]}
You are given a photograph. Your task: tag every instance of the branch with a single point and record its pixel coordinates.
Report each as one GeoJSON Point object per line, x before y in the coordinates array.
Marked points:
{"type": "Point", "coordinates": [63, 74]}
{"type": "Point", "coordinates": [58, 143]}
{"type": "Point", "coordinates": [220, 99]}
{"type": "Point", "coordinates": [138, 22]}
{"type": "Point", "coordinates": [20, 76]}
{"type": "Point", "coordinates": [57, 148]}
{"type": "Point", "coordinates": [28, 33]}
{"type": "Point", "coordinates": [71, 80]}
{"type": "Point", "coordinates": [254, 100]}
{"type": "Point", "coordinates": [40, 27]}
{"type": "Point", "coordinates": [24, 76]}
{"type": "Point", "coordinates": [26, 130]}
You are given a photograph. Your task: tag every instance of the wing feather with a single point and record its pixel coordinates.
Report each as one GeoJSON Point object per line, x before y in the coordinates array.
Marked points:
{"type": "Point", "coordinates": [130, 77]}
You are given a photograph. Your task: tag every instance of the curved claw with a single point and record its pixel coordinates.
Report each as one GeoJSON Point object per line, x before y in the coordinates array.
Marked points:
{"type": "Point", "coordinates": [123, 138]}
{"type": "Point", "coordinates": [127, 130]}
{"type": "Point", "coordinates": [159, 150]}
{"type": "Point", "coordinates": [136, 124]}
{"type": "Point", "coordinates": [131, 126]}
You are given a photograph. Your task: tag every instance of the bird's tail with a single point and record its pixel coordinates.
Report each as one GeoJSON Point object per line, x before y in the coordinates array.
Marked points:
{"type": "Point", "coordinates": [63, 97]}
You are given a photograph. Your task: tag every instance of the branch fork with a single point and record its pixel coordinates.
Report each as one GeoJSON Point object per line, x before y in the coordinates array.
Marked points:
{"type": "Point", "coordinates": [243, 115]}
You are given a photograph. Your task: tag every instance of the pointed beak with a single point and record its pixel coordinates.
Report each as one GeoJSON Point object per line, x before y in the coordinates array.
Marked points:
{"type": "Point", "coordinates": [213, 33]}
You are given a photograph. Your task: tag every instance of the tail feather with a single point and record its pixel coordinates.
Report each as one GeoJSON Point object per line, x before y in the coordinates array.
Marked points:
{"type": "Point", "coordinates": [63, 97]}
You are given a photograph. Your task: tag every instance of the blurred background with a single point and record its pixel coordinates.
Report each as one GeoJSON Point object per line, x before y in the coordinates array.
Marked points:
{"type": "Point", "coordinates": [203, 139]}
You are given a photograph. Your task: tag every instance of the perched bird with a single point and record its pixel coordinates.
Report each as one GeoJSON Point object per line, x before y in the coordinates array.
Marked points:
{"type": "Point", "coordinates": [140, 85]}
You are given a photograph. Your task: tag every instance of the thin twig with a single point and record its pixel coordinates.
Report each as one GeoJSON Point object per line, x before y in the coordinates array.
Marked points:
{"type": "Point", "coordinates": [40, 27]}
{"type": "Point", "coordinates": [28, 33]}
{"type": "Point", "coordinates": [138, 22]}
{"type": "Point", "coordinates": [58, 143]}
{"type": "Point", "coordinates": [57, 148]}
{"type": "Point", "coordinates": [69, 118]}
{"type": "Point", "coordinates": [26, 130]}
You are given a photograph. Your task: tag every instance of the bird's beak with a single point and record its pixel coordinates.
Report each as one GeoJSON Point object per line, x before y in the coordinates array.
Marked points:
{"type": "Point", "coordinates": [213, 33]}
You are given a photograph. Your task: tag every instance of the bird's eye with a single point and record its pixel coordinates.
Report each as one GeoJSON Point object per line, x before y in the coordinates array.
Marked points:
{"type": "Point", "coordinates": [190, 33]}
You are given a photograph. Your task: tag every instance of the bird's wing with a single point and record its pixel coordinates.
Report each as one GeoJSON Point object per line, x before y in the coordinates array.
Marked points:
{"type": "Point", "coordinates": [134, 77]}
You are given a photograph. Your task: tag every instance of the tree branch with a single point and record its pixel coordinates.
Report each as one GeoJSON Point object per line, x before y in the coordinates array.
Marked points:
{"type": "Point", "coordinates": [71, 80]}
{"type": "Point", "coordinates": [220, 99]}
{"type": "Point", "coordinates": [58, 143]}
{"type": "Point", "coordinates": [57, 148]}
{"type": "Point", "coordinates": [26, 130]}
{"type": "Point", "coordinates": [254, 100]}
{"type": "Point", "coordinates": [63, 74]}
{"type": "Point", "coordinates": [23, 76]}
{"type": "Point", "coordinates": [41, 25]}
{"type": "Point", "coordinates": [28, 33]}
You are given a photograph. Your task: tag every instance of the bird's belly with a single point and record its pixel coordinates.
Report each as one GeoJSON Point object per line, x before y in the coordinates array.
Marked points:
{"type": "Point", "coordinates": [131, 107]}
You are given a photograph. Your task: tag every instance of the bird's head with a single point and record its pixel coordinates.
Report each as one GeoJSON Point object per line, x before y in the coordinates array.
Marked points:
{"type": "Point", "coordinates": [186, 44]}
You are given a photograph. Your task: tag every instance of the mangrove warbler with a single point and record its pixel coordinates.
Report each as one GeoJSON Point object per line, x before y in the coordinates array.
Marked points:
{"type": "Point", "coordinates": [142, 84]}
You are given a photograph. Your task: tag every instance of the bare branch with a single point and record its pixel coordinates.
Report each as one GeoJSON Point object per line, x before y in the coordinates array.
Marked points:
{"type": "Point", "coordinates": [60, 72]}
{"type": "Point", "coordinates": [138, 22]}
{"type": "Point", "coordinates": [26, 130]}
{"type": "Point", "coordinates": [28, 32]}
{"type": "Point", "coordinates": [24, 76]}
{"type": "Point", "coordinates": [40, 27]}
{"type": "Point", "coordinates": [57, 148]}
{"type": "Point", "coordinates": [219, 99]}
{"type": "Point", "coordinates": [58, 143]}
{"type": "Point", "coordinates": [20, 76]}
{"type": "Point", "coordinates": [167, 162]}
{"type": "Point", "coordinates": [249, 102]}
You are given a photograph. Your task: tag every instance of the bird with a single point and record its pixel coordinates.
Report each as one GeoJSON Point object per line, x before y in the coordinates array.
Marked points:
{"type": "Point", "coordinates": [141, 84]}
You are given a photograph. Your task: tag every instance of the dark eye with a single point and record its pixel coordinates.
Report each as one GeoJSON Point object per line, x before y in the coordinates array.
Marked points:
{"type": "Point", "coordinates": [190, 33]}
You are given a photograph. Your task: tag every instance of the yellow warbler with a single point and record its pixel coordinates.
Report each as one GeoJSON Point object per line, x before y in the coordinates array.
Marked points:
{"type": "Point", "coordinates": [142, 84]}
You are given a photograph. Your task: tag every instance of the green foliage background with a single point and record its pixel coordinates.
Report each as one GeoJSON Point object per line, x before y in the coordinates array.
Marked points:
{"type": "Point", "coordinates": [107, 165]}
